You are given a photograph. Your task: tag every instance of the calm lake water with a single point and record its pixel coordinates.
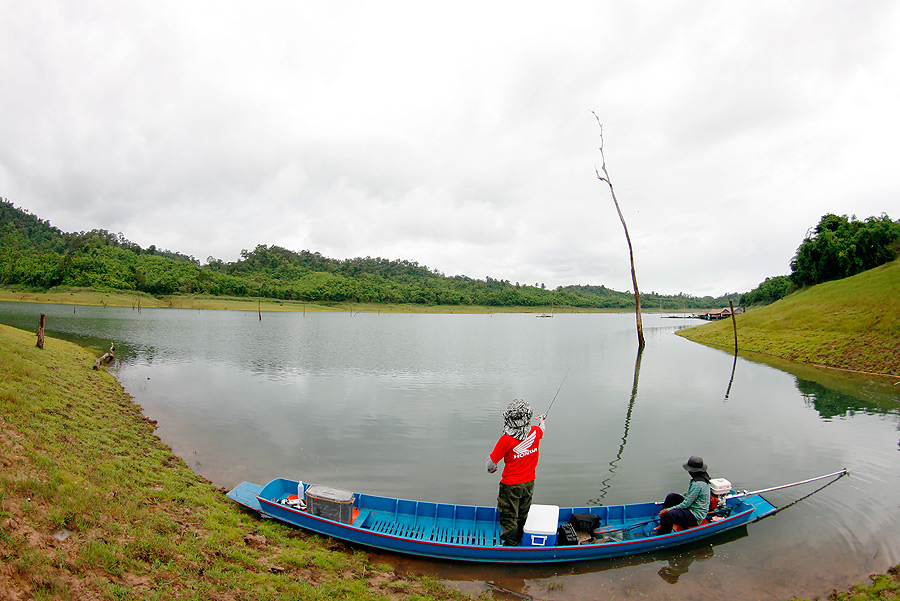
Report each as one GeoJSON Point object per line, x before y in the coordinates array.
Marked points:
{"type": "Point", "coordinates": [410, 405]}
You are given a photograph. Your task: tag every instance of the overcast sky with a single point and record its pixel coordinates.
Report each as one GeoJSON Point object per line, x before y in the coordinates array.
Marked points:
{"type": "Point", "coordinates": [458, 135]}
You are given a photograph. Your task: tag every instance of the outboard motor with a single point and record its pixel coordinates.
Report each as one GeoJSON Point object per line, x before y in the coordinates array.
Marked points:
{"type": "Point", "coordinates": [720, 489]}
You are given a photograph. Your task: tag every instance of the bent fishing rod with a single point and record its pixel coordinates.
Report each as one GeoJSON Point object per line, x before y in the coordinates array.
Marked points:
{"type": "Point", "coordinates": [557, 394]}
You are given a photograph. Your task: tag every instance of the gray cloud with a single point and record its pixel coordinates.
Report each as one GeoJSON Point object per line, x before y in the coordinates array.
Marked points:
{"type": "Point", "coordinates": [459, 136]}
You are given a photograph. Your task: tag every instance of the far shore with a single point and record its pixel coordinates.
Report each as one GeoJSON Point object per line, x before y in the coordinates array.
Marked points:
{"type": "Point", "coordinates": [88, 297]}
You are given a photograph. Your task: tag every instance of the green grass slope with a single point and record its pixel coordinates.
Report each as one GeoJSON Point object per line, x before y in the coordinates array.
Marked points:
{"type": "Point", "coordinates": [93, 505]}
{"type": "Point", "coordinates": [852, 324]}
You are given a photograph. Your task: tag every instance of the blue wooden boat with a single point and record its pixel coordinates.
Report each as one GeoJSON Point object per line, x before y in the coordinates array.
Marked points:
{"type": "Point", "coordinates": [472, 533]}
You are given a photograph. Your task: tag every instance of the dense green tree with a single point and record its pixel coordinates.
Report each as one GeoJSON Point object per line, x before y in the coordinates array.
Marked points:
{"type": "Point", "coordinates": [841, 246]}
{"type": "Point", "coordinates": [36, 255]}
{"type": "Point", "coordinates": [769, 291]}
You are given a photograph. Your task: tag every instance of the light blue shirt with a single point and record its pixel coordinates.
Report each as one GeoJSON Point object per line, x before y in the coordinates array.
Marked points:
{"type": "Point", "coordinates": [696, 500]}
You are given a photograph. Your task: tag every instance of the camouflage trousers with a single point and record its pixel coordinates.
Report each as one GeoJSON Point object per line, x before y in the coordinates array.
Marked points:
{"type": "Point", "coordinates": [513, 503]}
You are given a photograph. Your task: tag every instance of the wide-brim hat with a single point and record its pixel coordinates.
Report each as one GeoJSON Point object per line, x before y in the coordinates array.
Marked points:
{"type": "Point", "coordinates": [695, 464]}
{"type": "Point", "coordinates": [518, 413]}
{"type": "Point", "coordinates": [517, 419]}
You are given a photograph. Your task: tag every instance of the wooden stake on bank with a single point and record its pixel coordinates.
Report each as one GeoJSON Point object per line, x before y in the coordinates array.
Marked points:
{"type": "Point", "coordinates": [40, 333]}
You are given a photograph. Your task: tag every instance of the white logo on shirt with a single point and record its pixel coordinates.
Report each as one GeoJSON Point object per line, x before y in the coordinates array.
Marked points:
{"type": "Point", "coordinates": [524, 447]}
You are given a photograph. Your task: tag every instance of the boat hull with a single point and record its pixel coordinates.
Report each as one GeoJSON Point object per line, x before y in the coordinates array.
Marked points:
{"type": "Point", "coordinates": [472, 533]}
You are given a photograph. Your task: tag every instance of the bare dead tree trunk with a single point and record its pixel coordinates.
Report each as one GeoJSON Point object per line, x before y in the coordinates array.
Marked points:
{"type": "Point", "coordinates": [40, 333]}
{"type": "Point", "coordinates": [637, 293]}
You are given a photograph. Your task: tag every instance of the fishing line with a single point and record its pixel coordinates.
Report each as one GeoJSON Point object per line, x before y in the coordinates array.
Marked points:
{"type": "Point", "coordinates": [557, 393]}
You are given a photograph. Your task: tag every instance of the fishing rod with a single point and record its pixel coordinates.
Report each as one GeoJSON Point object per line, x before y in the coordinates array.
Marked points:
{"type": "Point", "coordinates": [625, 528]}
{"type": "Point", "coordinates": [745, 493]}
{"type": "Point", "coordinates": [557, 394]}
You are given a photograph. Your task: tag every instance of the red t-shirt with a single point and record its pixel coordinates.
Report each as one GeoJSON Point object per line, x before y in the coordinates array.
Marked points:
{"type": "Point", "coordinates": [520, 456]}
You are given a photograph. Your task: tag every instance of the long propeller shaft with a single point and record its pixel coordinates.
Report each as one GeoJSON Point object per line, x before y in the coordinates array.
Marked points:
{"type": "Point", "coordinates": [839, 474]}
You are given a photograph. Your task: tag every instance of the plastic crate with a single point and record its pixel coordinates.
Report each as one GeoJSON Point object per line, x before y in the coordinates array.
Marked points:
{"type": "Point", "coordinates": [330, 503]}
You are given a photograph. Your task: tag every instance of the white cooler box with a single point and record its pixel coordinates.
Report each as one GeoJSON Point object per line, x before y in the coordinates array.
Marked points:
{"type": "Point", "coordinates": [541, 526]}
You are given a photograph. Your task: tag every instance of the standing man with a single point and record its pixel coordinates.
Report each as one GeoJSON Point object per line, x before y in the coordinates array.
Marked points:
{"type": "Point", "coordinates": [518, 448]}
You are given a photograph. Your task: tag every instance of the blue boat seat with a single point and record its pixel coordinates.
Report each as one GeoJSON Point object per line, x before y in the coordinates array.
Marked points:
{"type": "Point", "coordinates": [360, 518]}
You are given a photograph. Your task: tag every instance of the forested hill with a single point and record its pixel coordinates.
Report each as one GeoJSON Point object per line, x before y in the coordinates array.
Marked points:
{"type": "Point", "coordinates": [847, 323]}
{"type": "Point", "coordinates": [36, 255]}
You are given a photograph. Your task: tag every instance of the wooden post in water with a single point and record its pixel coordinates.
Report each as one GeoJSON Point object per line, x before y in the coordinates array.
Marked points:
{"type": "Point", "coordinates": [106, 357]}
{"type": "Point", "coordinates": [734, 324]}
{"type": "Point", "coordinates": [259, 309]}
{"type": "Point", "coordinates": [40, 333]}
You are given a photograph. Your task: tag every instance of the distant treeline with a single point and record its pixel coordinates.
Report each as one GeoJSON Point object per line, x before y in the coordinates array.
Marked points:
{"type": "Point", "coordinates": [838, 247]}
{"type": "Point", "coordinates": [37, 255]}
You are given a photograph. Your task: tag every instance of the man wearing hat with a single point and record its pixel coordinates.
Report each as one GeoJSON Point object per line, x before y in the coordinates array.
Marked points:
{"type": "Point", "coordinates": [518, 448]}
{"type": "Point", "coordinates": [691, 508]}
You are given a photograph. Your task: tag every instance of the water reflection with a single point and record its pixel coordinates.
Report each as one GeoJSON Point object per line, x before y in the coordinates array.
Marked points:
{"type": "Point", "coordinates": [560, 580]}
{"type": "Point", "coordinates": [680, 564]}
{"type": "Point", "coordinates": [731, 379]}
{"type": "Point", "coordinates": [605, 484]}
{"type": "Point", "coordinates": [839, 392]}
{"type": "Point", "coordinates": [832, 403]}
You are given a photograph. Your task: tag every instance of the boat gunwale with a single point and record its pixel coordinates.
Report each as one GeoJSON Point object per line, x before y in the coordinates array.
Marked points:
{"type": "Point", "coordinates": [498, 553]}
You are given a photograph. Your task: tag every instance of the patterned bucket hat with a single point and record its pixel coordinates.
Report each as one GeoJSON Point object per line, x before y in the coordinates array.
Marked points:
{"type": "Point", "coordinates": [517, 419]}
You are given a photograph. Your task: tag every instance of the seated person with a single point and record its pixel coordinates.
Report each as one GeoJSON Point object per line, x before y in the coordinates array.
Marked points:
{"type": "Point", "coordinates": [689, 509]}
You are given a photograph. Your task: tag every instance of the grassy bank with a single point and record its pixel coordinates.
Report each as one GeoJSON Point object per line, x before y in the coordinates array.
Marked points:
{"type": "Point", "coordinates": [94, 506]}
{"type": "Point", "coordinates": [852, 324]}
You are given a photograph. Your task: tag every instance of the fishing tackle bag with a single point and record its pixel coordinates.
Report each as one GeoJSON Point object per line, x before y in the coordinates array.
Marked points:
{"type": "Point", "coordinates": [585, 522]}
{"type": "Point", "coordinates": [565, 535]}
